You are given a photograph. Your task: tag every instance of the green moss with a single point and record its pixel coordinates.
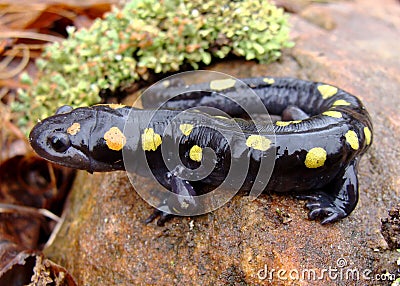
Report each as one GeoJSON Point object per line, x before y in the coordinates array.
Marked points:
{"type": "Point", "coordinates": [149, 36]}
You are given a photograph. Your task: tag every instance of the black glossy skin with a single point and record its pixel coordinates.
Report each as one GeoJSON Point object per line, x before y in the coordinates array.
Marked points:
{"type": "Point", "coordinates": [331, 188]}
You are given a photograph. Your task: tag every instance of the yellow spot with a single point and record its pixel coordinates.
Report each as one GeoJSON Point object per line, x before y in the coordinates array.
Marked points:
{"type": "Point", "coordinates": [341, 102]}
{"type": "Point", "coordinates": [221, 84]}
{"type": "Point", "coordinates": [327, 90]}
{"type": "Point", "coordinates": [286, 123]}
{"type": "Point", "coordinates": [258, 142]}
{"type": "Point", "coordinates": [74, 128]}
{"type": "Point", "coordinates": [315, 158]}
{"type": "Point", "coordinates": [116, 106]}
{"type": "Point", "coordinates": [166, 83]}
{"type": "Point", "coordinates": [368, 135]}
{"type": "Point", "coordinates": [282, 123]}
{"type": "Point", "coordinates": [352, 139]}
{"type": "Point", "coordinates": [221, 117]}
{"type": "Point", "coordinates": [186, 129]}
{"type": "Point", "coordinates": [150, 140]}
{"type": "Point", "coordinates": [115, 139]}
{"type": "Point", "coordinates": [335, 114]}
{"type": "Point", "coordinates": [196, 153]}
{"type": "Point", "coordinates": [269, 80]}
{"type": "Point", "coordinates": [112, 105]}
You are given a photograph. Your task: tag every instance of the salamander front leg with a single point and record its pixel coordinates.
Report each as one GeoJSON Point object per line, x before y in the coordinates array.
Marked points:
{"type": "Point", "coordinates": [183, 203]}
{"type": "Point", "coordinates": [340, 201]}
{"type": "Point", "coordinates": [163, 217]}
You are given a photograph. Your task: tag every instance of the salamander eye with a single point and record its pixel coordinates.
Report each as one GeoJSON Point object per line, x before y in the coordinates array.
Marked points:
{"type": "Point", "coordinates": [60, 142]}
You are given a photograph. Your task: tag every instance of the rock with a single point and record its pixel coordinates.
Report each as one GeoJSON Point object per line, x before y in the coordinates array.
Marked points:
{"type": "Point", "coordinates": [391, 228]}
{"type": "Point", "coordinates": [104, 240]}
{"type": "Point", "coordinates": [320, 16]}
{"type": "Point", "coordinates": [293, 6]}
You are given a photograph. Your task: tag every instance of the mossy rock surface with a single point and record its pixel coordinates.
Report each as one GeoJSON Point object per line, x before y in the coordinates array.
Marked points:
{"type": "Point", "coordinates": [147, 38]}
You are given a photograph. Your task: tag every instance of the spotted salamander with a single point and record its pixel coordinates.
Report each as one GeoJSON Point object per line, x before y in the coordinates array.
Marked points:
{"type": "Point", "coordinates": [318, 140]}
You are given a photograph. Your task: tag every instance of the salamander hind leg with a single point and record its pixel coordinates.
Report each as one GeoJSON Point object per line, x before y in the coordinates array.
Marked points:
{"type": "Point", "coordinates": [338, 202]}
{"type": "Point", "coordinates": [181, 200]}
{"type": "Point", "coordinates": [293, 112]}
{"type": "Point", "coordinates": [162, 217]}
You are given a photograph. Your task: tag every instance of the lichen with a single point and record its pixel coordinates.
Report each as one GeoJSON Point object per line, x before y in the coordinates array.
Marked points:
{"type": "Point", "coordinates": [145, 37]}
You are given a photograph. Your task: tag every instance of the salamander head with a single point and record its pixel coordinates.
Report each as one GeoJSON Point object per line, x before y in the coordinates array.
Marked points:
{"type": "Point", "coordinates": [76, 138]}
{"type": "Point", "coordinates": [59, 139]}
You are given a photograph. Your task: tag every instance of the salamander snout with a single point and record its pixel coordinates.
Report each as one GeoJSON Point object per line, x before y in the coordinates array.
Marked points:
{"type": "Point", "coordinates": [50, 140]}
